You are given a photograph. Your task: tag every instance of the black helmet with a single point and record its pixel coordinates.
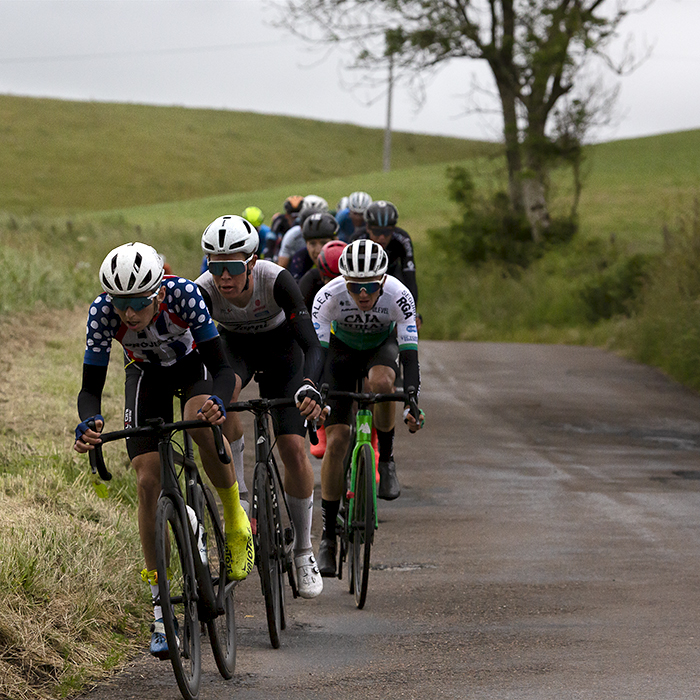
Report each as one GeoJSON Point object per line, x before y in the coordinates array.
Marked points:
{"type": "Point", "coordinates": [319, 225]}
{"type": "Point", "coordinates": [381, 214]}
{"type": "Point", "coordinates": [292, 205]}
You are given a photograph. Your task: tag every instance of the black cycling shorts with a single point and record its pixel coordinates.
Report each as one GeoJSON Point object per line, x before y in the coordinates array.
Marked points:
{"type": "Point", "coordinates": [276, 361]}
{"type": "Point", "coordinates": [150, 390]}
{"type": "Point", "coordinates": [345, 366]}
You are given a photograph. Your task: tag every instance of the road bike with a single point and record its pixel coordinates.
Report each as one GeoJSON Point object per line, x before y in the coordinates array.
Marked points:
{"type": "Point", "coordinates": [357, 519]}
{"type": "Point", "coordinates": [190, 553]}
{"type": "Point", "coordinates": [270, 520]}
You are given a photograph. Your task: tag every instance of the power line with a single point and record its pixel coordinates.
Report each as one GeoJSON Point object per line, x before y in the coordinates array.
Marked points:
{"type": "Point", "coordinates": [144, 52]}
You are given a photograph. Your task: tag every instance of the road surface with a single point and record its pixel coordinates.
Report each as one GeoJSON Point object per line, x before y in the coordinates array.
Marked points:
{"type": "Point", "coordinates": [546, 545]}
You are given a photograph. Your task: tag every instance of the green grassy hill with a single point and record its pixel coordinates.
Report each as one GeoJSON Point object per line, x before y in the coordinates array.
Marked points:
{"type": "Point", "coordinates": [69, 156]}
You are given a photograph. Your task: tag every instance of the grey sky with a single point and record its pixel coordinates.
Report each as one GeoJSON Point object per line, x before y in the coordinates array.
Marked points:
{"type": "Point", "coordinates": [224, 54]}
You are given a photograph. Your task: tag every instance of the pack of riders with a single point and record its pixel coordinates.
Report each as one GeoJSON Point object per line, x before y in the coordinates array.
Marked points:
{"type": "Point", "coordinates": [315, 298]}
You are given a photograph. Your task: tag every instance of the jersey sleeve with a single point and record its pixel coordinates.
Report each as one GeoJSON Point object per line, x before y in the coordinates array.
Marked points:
{"type": "Point", "coordinates": [187, 302]}
{"type": "Point", "coordinates": [406, 327]}
{"type": "Point", "coordinates": [102, 326]}
{"type": "Point", "coordinates": [320, 316]}
{"type": "Point", "coordinates": [288, 295]}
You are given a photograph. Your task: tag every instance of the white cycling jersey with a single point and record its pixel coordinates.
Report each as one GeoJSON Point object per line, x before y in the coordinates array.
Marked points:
{"type": "Point", "coordinates": [335, 313]}
{"type": "Point", "coordinates": [261, 313]}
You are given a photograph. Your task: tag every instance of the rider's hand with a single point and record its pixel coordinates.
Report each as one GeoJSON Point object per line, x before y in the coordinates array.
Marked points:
{"type": "Point", "coordinates": [85, 437]}
{"type": "Point", "coordinates": [213, 411]}
{"type": "Point", "coordinates": [413, 425]}
{"type": "Point", "coordinates": [308, 401]}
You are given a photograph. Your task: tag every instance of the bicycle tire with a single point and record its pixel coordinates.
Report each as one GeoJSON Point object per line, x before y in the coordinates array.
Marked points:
{"type": "Point", "coordinates": [221, 627]}
{"type": "Point", "coordinates": [268, 554]}
{"type": "Point", "coordinates": [177, 584]}
{"type": "Point", "coordinates": [362, 525]}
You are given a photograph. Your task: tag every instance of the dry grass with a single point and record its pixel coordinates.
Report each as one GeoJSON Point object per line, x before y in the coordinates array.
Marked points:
{"type": "Point", "coordinates": [73, 605]}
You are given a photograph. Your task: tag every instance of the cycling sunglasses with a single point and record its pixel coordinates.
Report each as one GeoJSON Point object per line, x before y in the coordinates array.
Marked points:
{"type": "Point", "coordinates": [234, 267]}
{"type": "Point", "coordinates": [381, 232]}
{"type": "Point", "coordinates": [136, 303]}
{"type": "Point", "coordinates": [369, 287]}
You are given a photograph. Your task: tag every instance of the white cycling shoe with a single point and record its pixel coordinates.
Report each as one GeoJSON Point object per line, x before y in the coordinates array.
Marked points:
{"type": "Point", "coordinates": [309, 581]}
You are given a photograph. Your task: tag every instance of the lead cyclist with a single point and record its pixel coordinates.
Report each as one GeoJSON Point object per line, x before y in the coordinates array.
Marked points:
{"type": "Point", "coordinates": [366, 320]}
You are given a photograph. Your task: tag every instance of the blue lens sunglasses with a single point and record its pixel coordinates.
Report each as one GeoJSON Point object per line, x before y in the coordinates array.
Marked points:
{"type": "Point", "coordinates": [136, 303]}
{"type": "Point", "coordinates": [234, 267]}
{"type": "Point", "coordinates": [369, 287]}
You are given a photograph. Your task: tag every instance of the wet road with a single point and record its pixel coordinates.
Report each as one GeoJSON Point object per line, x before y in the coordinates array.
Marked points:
{"type": "Point", "coordinates": [546, 545]}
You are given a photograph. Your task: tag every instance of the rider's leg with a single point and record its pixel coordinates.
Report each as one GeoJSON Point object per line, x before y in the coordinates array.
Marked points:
{"type": "Point", "coordinates": [147, 468]}
{"type": "Point", "coordinates": [381, 381]}
{"type": "Point", "coordinates": [239, 538]}
{"type": "Point", "coordinates": [233, 432]}
{"type": "Point", "coordinates": [299, 487]}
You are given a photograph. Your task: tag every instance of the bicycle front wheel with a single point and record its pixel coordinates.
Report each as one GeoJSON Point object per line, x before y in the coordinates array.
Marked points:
{"type": "Point", "coordinates": [269, 552]}
{"type": "Point", "coordinates": [221, 625]}
{"type": "Point", "coordinates": [177, 585]}
{"type": "Point", "coordinates": [362, 524]}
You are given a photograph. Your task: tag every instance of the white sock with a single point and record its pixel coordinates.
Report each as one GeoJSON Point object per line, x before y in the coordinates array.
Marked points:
{"type": "Point", "coordinates": [301, 510]}
{"type": "Point", "coordinates": [237, 447]}
{"type": "Point", "coordinates": [157, 610]}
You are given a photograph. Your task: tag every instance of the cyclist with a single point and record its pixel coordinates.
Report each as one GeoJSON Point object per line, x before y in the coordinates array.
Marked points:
{"type": "Point", "coordinates": [267, 333]}
{"type": "Point", "coordinates": [170, 344]}
{"type": "Point", "coordinates": [293, 240]}
{"type": "Point", "coordinates": [280, 224]}
{"type": "Point", "coordinates": [367, 321]}
{"type": "Point", "coordinates": [256, 217]}
{"type": "Point", "coordinates": [325, 270]}
{"type": "Point", "coordinates": [352, 216]}
{"type": "Point", "coordinates": [318, 229]}
{"type": "Point", "coordinates": [380, 226]}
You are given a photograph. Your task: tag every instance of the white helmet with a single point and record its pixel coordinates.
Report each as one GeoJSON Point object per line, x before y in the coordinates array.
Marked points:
{"type": "Point", "coordinates": [358, 202]}
{"type": "Point", "coordinates": [342, 204]}
{"type": "Point", "coordinates": [132, 268]}
{"type": "Point", "coordinates": [230, 234]}
{"type": "Point", "coordinates": [363, 259]}
{"type": "Point", "coordinates": [312, 202]}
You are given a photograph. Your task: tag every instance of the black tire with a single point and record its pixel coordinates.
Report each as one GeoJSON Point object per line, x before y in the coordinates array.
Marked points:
{"type": "Point", "coordinates": [180, 615]}
{"type": "Point", "coordinates": [221, 627]}
{"type": "Point", "coordinates": [269, 554]}
{"type": "Point", "coordinates": [362, 525]}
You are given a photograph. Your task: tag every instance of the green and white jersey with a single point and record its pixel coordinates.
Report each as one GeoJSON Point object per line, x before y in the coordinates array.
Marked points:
{"type": "Point", "coordinates": [335, 313]}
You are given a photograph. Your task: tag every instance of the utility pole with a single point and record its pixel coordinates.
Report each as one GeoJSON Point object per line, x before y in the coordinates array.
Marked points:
{"type": "Point", "coordinates": [387, 129]}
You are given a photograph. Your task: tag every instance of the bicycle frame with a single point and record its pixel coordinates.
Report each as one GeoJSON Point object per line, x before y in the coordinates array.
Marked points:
{"type": "Point", "coordinates": [363, 436]}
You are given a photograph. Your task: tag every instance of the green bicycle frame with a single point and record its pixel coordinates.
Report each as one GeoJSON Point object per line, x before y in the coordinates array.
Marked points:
{"type": "Point", "coordinates": [363, 435]}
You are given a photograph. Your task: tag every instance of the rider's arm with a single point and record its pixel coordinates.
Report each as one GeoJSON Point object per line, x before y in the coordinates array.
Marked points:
{"type": "Point", "coordinates": [408, 265]}
{"type": "Point", "coordinates": [90, 396]}
{"type": "Point", "coordinates": [212, 354]}
{"type": "Point", "coordinates": [288, 295]}
{"type": "Point", "coordinates": [411, 368]}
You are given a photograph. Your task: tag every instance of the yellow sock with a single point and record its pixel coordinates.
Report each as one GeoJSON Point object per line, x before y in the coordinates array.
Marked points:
{"type": "Point", "coordinates": [240, 555]}
{"type": "Point", "coordinates": [231, 503]}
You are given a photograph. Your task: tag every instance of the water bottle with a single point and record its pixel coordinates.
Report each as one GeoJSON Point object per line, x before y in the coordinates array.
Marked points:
{"type": "Point", "coordinates": [198, 530]}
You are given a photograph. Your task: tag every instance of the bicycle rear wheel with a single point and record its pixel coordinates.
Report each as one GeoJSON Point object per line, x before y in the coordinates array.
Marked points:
{"type": "Point", "coordinates": [362, 525]}
{"type": "Point", "coordinates": [177, 585]}
{"type": "Point", "coordinates": [221, 625]}
{"type": "Point", "coordinates": [269, 552]}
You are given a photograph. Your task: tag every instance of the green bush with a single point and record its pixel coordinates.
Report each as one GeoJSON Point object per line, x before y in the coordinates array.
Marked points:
{"type": "Point", "coordinates": [616, 288]}
{"type": "Point", "coordinates": [666, 331]}
{"type": "Point", "coordinates": [488, 229]}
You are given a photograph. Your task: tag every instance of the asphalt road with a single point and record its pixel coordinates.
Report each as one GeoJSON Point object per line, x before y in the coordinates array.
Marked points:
{"type": "Point", "coordinates": [546, 545]}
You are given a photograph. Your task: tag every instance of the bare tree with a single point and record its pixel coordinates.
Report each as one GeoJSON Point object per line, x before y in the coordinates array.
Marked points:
{"type": "Point", "coordinates": [536, 51]}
